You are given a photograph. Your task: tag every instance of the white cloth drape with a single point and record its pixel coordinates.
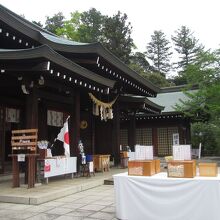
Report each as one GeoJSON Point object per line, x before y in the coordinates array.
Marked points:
{"type": "Point", "coordinates": [159, 197]}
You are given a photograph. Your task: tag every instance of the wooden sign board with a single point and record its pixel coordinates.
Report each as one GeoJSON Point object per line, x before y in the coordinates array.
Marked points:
{"type": "Point", "coordinates": [143, 152]}
{"type": "Point", "coordinates": [182, 152]}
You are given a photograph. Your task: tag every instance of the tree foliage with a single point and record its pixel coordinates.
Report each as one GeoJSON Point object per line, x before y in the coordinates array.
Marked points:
{"type": "Point", "coordinates": [117, 36]}
{"type": "Point", "coordinates": [204, 104]}
{"type": "Point", "coordinates": [91, 26]}
{"type": "Point", "coordinates": [140, 64]}
{"type": "Point", "coordinates": [139, 59]}
{"type": "Point", "coordinates": [55, 22]}
{"type": "Point", "coordinates": [158, 51]}
{"type": "Point", "coordinates": [187, 46]}
{"type": "Point", "coordinates": [84, 27]}
{"type": "Point", "coordinates": [157, 79]}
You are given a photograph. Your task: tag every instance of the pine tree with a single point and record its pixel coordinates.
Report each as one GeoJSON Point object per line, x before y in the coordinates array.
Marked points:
{"type": "Point", "coordinates": [158, 51]}
{"type": "Point", "coordinates": [187, 47]}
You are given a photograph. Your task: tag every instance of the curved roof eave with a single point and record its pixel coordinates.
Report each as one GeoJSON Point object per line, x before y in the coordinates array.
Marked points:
{"type": "Point", "coordinates": [142, 99]}
{"type": "Point", "coordinates": [50, 54]}
{"type": "Point", "coordinates": [99, 50]}
{"type": "Point", "coordinates": [45, 37]}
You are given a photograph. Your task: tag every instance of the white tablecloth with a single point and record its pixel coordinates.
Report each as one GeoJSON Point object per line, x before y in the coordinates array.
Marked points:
{"type": "Point", "coordinates": [161, 198]}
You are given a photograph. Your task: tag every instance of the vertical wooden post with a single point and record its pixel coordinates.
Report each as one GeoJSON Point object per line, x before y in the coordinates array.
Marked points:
{"type": "Point", "coordinates": [116, 133]}
{"type": "Point", "coordinates": [31, 113]}
{"type": "Point", "coordinates": [15, 171]}
{"type": "Point", "coordinates": [93, 133]}
{"type": "Point", "coordinates": [2, 139]}
{"type": "Point", "coordinates": [75, 125]}
{"type": "Point", "coordinates": [132, 132]}
{"type": "Point", "coordinates": [154, 140]}
{"type": "Point", "coordinates": [31, 170]}
{"type": "Point", "coordinates": [31, 110]}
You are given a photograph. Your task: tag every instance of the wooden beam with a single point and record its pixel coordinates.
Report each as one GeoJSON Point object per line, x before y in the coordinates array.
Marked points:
{"type": "Point", "coordinates": [54, 97]}
{"type": "Point", "coordinates": [25, 67]}
{"type": "Point", "coordinates": [84, 61]}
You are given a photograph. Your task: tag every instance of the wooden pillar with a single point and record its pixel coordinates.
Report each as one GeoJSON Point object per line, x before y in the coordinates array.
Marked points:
{"type": "Point", "coordinates": [31, 119]}
{"type": "Point", "coordinates": [15, 171]}
{"type": "Point", "coordinates": [116, 133]}
{"type": "Point", "coordinates": [154, 140]}
{"type": "Point", "coordinates": [132, 132]}
{"type": "Point", "coordinates": [42, 121]}
{"type": "Point", "coordinates": [75, 125]}
{"type": "Point", "coordinates": [31, 111]}
{"type": "Point", "coordinates": [2, 139]}
{"type": "Point", "coordinates": [93, 134]}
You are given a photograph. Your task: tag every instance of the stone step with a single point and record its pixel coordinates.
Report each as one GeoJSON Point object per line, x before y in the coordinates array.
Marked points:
{"type": "Point", "coordinates": [109, 181]}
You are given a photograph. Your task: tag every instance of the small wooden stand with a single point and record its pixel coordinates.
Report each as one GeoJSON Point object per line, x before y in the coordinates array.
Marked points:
{"type": "Point", "coordinates": [24, 142]}
{"type": "Point", "coordinates": [31, 159]}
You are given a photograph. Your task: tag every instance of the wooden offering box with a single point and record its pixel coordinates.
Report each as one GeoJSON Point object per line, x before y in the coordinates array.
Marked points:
{"type": "Point", "coordinates": [208, 169]}
{"type": "Point", "coordinates": [157, 166]}
{"type": "Point", "coordinates": [183, 169]}
{"type": "Point", "coordinates": [143, 167]}
{"type": "Point", "coordinates": [101, 162]}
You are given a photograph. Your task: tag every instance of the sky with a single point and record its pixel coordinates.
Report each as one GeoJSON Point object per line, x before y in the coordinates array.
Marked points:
{"type": "Point", "coordinates": [146, 16]}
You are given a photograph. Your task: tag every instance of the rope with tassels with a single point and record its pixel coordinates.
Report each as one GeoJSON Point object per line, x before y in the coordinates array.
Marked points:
{"type": "Point", "coordinates": [105, 108]}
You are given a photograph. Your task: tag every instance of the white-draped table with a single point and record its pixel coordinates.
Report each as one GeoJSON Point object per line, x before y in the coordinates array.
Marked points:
{"type": "Point", "coordinates": [161, 198]}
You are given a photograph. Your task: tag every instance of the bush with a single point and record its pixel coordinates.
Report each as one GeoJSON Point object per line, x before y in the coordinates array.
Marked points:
{"type": "Point", "coordinates": [207, 134]}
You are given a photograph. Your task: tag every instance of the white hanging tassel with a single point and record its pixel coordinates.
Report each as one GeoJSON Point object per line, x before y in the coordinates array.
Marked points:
{"type": "Point", "coordinates": [101, 112]}
{"type": "Point", "coordinates": [104, 114]}
{"type": "Point", "coordinates": [107, 113]}
{"type": "Point", "coordinates": [96, 110]}
{"type": "Point", "coordinates": [110, 113]}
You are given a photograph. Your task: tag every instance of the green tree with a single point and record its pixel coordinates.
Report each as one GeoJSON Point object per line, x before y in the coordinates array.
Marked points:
{"type": "Point", "coordinates": [158, 51]}
{"type": "Point", "coordinates": [117, 36]}
{"type": "Point", "coordinates": [187, 46]}
{"type": "Point", "coordinates": [69, 29]}
{"type": "Point", "coordinates": [84, 27]}
{"type": "Point", "coordinates": [91, 28]}
{"type": "Point", "coordinates": [204, 103]}
{"type": "Point", "coordinates": [139, 59]}
{"type": "Point", "coordinates": [157, 79]}
{"type": "Point", "coordinates": [55, 22]}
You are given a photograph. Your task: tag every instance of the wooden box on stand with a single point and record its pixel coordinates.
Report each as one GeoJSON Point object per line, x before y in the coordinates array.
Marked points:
{"type": "Point", "coordinates": [143, 167]}
{"type": "Point", "coordinates": [181, 168]}
{"type": "Point", "coordinates": [208, 169]}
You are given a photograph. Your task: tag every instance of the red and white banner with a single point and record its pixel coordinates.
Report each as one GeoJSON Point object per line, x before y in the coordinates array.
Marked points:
{"type": "Point", "coordinates": [64, 137]}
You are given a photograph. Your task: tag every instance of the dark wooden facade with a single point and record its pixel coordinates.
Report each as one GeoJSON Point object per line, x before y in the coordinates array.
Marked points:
{"type": "Point", "coordinates": [41, 73]}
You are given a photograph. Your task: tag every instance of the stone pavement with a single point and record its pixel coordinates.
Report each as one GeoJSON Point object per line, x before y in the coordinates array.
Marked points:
{"type": "Point", "coordinates": [95, 203]}
{"type": "Point", "coordinates": [63, 198]}
{"type": "Point", "coordinates": [57, 187]}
